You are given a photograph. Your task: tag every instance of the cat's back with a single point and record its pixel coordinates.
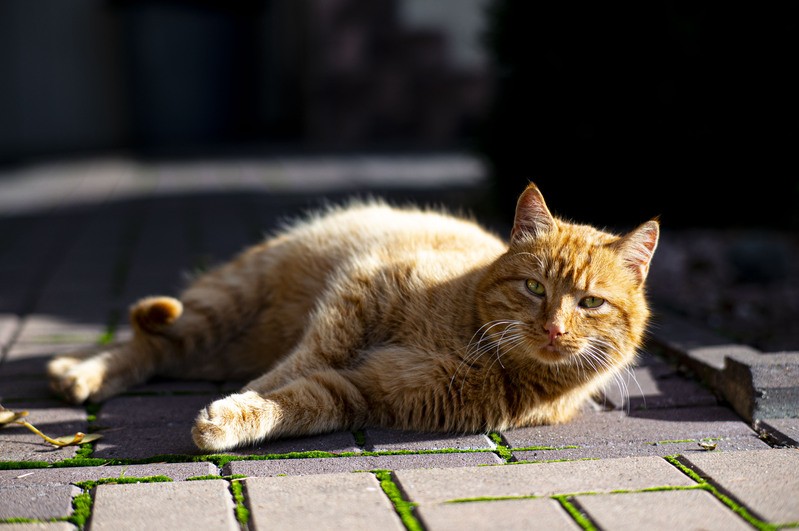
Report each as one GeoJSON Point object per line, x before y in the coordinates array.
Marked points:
{"type": "Point", "coordinates": [355, 235]}
{"type": "Point", "coordinates": [375, 227]}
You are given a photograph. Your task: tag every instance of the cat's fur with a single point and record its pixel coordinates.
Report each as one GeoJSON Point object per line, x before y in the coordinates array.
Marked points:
{"type": "Point", "coordinates": [402, 318]}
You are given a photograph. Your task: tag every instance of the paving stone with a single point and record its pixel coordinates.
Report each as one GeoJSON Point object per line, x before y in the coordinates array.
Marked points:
{"type": "Point", "coordinates": [9, 323]}
{"type": "Point", "coordinates": [762, 385]}
{"type": "Point", "coordinates": [156, 410]}
{"type": "Point", "coordinates": [686, 509]}
{"type": "Point", "coordinates": [321, 502]}
{"type": "Point", "coordinates": [30, 359]}
{"type": "Point", "coordinates": [329, 465]}
{"type": "Point", "coordinates": [522, 515]}
{"type": "Point", "coordinates": [23, 386]}
{"type": "Point", "coordinates": [37, 501]}
{"type": "Point", "coordinates": [379, 439]}
{"type": "Point", "coordinates": [170, 387]}
{"type": "Point", "coordinates": [52, 418]}
{"type": "Point", "coordinates": [136, 427]}
{"type": "Point", "coordinates": [67, 475]}
{"type": "Point", "coordinates": [174, 505]}
{"type": "Point", "coordinates": [785, 431]}
{"type": "Point", "coordinates": [764, 482]}
{"type": "Point", "coordinates": [641, 428]}
{"type": "Point", "coordinates": [638, 448]}
{"type": "Point", "coordinates": [39, 526]}
{"type": "Point", "coordinates": [141, 442]}
{"type": "Point", "coordinates": [336, 442]}
{"type": "Point", "coordinates": [653, 384]}
{"type": "Point", "coordinates": [540, 479]}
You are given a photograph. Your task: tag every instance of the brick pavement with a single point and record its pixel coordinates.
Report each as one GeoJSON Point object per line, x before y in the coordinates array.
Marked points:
{"type": "Point", "coordinates": [76, 247]}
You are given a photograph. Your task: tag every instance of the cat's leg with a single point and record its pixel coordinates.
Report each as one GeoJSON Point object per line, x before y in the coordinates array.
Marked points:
{"type": "Point", "coordinates": [100, 372]}
{"type": "Point", "coordinates": [318, 402]}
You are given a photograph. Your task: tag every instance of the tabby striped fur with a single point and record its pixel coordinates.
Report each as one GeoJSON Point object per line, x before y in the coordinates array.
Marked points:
{"type": "Point", "coordinates": [404, 318]}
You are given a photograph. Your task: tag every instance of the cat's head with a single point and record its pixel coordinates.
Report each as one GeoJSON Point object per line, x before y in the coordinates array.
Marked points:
{"type": "Point", "coordinates": [566, 294]}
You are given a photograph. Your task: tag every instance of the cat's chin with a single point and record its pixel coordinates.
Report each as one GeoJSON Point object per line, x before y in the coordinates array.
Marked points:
{"type": "Point", "coordinates": [550, 354]}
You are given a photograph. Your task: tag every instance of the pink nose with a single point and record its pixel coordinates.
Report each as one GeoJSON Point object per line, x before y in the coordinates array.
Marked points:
{"type": "Point", "coordinates": [555, 330]}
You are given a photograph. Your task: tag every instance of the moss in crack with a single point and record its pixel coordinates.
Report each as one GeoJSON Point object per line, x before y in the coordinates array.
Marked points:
{"type": "Point", "coordinates": [360, 438]}
{"type": "Point", "coordinates": [501, 448]}
{"type": "Point", "coordinates": [81, 509]}
{"type": "Point", "coordinates": [579, 517]}
{"type": "Point", "coordinates": [726, 500]}
{"type": "Point", "coordinates": [242, 513]}
{"type": "Point", "coordinates": [403, 507]}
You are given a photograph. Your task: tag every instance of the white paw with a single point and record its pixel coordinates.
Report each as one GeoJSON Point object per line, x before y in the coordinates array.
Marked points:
{"type": "Point", "coordinates": [78, 377]}
{"type": "Point", "coordinates": [239, 419]}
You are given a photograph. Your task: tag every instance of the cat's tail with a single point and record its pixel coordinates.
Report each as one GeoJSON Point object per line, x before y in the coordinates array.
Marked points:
{"type": "Point", "coordinates": [153, 315]}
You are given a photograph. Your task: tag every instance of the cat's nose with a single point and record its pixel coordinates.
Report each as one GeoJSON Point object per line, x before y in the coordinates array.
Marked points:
{"type": "Point", "coordinates": [555, 330]}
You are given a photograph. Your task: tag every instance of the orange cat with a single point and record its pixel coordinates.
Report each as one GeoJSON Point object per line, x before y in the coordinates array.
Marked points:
{"type": "Point", "coordinates": [403, 318]}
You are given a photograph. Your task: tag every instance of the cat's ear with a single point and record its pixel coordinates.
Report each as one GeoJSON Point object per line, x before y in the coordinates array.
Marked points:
{"type": "Point", "coordinates": [638, 247]}
{"type": "Point", "coordinates": [532, 214]}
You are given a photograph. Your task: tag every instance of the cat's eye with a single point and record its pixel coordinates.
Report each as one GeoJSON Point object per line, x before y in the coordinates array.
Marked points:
{"type": "Point", "coordinates": [535, 287]}
{"type": "Point", "coordinates": [592, 302]}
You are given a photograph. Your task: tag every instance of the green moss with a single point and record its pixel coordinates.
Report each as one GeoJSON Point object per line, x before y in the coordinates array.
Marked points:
{"type": "Point", "coordinates": [242, 513]}
{"type": "Point", "coordinates": [81, 509]}
{"type": "Point", "coordinates": [204, 478]}
{"type": "Point", "coordinates": [501, 449]}
{"type": "Point", "coordinates": [18, 520]}
{"type": "Point", "coordinates": [360, 438]}
{"type": "Point", "coordinates": [403, 507]}
{"type": "Point", "coordinates": [581, 519]}
{"type": "Point", "coordinates": [491, 498]}
{"type": "Point", "coordinates": [108, 335]}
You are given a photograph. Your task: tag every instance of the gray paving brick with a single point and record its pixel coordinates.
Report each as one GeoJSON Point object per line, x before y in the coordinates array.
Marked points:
{"type": "Point", "coordinates": [379, 439]}
{"type": "Point", "coordinates": [541, 479]}
{"type": "Point", "coordinates": [336, 442]}
{"type": "Point", "coordinates": [687, 509]}
{"type": "Point", "coordinates": [785, 431]}
{"type": "Point", "coordinates": [321, 502]}
{"type": "Point", "coordinates": [8, 328]}
{"type": "Point", "coordinates": [67, 475]}
{"type": "Point", "coordinates": [136, 427]}
{"type": "Point", "coordinates": [37, 501]}
{"type": "Point", "coordinates": [52, 418]}
{"type": "Point", "coordinates": [141, 442]}
{"type": "Point", "coordinates": [522, 515]}
{"type": "Point", "coordinates": [653, 384]}
{"type": "Point", "coordinates": [638, 448]}
{"type": "Point", "coordinates": [274, 467]}
{"type": "Point", "coordinates": [39, 526]}
{"type": "Point", "coordinates": [174, 505]}
{"type": "Point", "coordinates": [642, 428]}
{"type": "Point", "coordinates": [764, 482]}
{"type": "Point", "coordinates": [23, 386]}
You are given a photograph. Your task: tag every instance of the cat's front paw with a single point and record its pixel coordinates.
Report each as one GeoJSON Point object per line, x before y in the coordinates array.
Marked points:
{"type": "Point", "coordinates": [237, 420]}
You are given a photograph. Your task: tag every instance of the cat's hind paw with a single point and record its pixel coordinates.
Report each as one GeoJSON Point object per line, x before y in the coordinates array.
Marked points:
{"type": "Point", "coordinates": [239, 419]}
{"type": "Point", "coordinates": [74, 378]}
{"type": "Point", "coordinates": [83, 375]}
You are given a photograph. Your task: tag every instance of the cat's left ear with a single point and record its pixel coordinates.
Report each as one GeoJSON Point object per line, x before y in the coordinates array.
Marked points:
{"type": "Point", "coordinates": [638, 247]}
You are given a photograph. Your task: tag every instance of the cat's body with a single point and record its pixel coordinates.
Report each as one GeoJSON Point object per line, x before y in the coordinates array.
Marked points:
{"type": "Point", "coordinates": [372, 315]}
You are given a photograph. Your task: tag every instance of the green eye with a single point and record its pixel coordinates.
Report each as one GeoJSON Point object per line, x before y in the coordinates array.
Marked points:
{"type": "Point", "coordinates": [592, 302]}
{"type": "Point", "coordinates": [535, 287]}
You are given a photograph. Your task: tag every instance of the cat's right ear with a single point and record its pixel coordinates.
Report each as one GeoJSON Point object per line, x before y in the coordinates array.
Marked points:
{"type": "Point", "coordinates": [532, 215]}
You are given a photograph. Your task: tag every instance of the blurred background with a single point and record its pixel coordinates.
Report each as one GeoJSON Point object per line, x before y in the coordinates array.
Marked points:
{"type": "Point", "coordinates": [619, 112]}
{"type": "Point", "coordinates": [686, 110]}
